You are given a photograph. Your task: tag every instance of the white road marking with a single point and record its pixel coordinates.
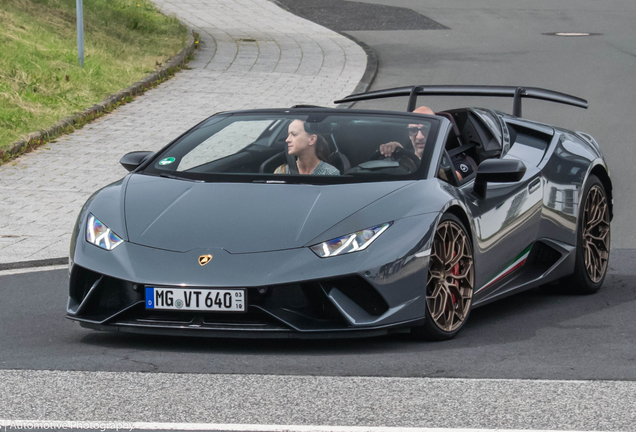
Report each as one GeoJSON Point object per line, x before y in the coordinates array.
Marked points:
{"type": "Point", "coordinates": [112, 425]}
{"type": "Point", "coordinates": [33, 269]}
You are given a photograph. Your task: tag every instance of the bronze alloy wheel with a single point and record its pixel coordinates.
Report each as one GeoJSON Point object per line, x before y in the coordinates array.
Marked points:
{"type": "Point", "coordinates": [596, 230]}
{"type": "Point", "coordinates": [449, 290]}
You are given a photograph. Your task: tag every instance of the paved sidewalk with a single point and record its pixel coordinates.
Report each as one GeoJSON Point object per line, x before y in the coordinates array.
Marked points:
{"type": "Point", "coordinates": [253, 54]}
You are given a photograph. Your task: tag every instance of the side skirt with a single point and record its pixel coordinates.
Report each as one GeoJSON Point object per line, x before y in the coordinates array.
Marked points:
{"type": "Point", "coordinates": [543, 262]}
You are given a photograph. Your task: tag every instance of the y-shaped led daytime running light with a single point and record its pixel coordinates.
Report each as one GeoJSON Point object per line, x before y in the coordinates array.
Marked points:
{"type": "Point", "coordinates": [354, 242]}
{"type": "Point", "coordinates": [100, 235]}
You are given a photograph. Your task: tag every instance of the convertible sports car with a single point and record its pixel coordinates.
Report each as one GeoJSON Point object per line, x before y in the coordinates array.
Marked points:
{"type": "Point", "coordinates": [204, 238]}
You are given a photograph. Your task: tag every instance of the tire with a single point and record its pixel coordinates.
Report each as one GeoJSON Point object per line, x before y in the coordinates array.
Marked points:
{"type": "Point", "coordinates": [450, 280]}
{"type": "Point", "coordinates": [592, 241]}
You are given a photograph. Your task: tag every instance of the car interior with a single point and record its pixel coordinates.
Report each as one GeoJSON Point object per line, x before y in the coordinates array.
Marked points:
{"type": "Point", "coordinates": [468, 136]}
{"type": "Point", "coordinates": [354, 147]}
{"type": "Point", "coordinates": [351, 147]}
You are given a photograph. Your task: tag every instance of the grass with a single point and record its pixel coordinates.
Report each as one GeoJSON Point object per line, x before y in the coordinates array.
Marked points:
{"type": "Point", "coordinates": [40, 79]}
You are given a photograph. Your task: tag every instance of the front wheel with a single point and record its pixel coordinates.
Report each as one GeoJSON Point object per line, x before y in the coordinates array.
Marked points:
{"type": "Point", "coordinates": [449, 288]}
{"type": "Point", "coordinates": [592, 240]}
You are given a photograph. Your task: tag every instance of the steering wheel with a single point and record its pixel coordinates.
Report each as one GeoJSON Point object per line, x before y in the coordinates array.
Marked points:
{"type": "Point", "coordinates": [404, 157]}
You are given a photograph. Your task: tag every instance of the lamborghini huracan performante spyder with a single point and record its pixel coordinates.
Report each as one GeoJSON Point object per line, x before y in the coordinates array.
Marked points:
{"type": "Point", "coordinates": [218, 234]}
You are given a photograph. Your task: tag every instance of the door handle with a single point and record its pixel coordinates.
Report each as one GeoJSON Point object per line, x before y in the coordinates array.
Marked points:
{"type": "Point", "coordinates": [534, 185]}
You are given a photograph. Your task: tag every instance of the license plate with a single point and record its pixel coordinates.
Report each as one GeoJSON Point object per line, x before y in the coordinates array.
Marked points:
{"type": "Point", "coordinates": [169, 298]}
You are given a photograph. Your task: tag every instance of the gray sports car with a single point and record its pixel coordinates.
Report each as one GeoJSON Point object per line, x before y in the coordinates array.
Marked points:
{"type": "Point", "coordinates": [322, 222]}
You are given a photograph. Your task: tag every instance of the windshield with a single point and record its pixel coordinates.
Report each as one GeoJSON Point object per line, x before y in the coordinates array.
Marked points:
{"type": "Point", "coordinates": [308, 147]}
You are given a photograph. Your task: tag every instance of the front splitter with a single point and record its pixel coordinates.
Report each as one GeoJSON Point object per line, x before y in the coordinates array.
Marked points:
{"type": "Point", "coordinates": [234, 333]}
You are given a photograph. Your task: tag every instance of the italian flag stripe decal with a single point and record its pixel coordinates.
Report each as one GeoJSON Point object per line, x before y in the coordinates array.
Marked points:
{"type": "Point", "coordinates": [512, 266]}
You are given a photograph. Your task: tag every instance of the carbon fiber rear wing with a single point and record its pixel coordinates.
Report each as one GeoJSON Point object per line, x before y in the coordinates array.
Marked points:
{"type": "Point", "coordinates": [470, 90]}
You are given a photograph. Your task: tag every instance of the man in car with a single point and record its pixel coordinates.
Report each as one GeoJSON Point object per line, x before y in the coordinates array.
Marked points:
{"type": "Point", "coordinates": [418, 133]}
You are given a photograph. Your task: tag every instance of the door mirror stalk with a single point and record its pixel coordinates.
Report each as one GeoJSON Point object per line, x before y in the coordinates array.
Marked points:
{"type": "Point", "coordinates": [133, 160]}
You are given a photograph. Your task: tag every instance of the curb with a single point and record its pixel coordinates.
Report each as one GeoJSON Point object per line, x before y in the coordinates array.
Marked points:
{"type": "Point", "coordinates": [35, 139]}
{"type": "Point", "coordinates": [33, 264]}
{"type": "Point", "coordinates": [32, 140]}
{"type": "Point", "coordinates": [371, 70]}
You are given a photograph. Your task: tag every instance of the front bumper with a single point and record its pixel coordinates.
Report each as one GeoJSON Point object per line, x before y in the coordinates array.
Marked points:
{"type": "Point", "coordinates": [317, 309]}
{"type": "Point", "coordinates": [290, 293]}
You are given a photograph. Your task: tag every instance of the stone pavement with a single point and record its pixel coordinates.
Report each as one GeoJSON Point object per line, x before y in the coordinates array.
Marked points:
{"type": "Point", "coordinates": [253, 54]}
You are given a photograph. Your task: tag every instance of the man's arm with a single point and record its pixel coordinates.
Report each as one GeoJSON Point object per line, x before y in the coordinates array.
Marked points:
{"type": "Point", "coordinates": [387, 149]}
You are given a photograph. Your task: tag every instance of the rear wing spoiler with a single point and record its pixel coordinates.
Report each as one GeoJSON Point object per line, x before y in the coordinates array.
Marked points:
{"type": "Point", "coordinates": [470, 90]}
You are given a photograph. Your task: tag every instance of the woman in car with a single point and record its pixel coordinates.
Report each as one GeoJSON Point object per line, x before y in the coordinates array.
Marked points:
{"type": "Point", "coordinates": [310, 149]}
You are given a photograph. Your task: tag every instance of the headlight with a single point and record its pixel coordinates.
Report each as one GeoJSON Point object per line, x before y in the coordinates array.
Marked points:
{"type": "Point", "coordinates": [357, 241]}
{"type": "Point", "coordinates": [100, 235]}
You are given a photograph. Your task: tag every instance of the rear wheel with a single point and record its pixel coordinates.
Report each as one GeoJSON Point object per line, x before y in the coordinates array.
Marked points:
{"type": "Point", "coordinates": [449, 288]}
{"type": "Point", "coordinates": [593, 241]}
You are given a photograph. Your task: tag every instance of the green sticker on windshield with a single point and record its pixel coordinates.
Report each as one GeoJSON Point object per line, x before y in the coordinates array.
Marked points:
{"type": "Point", "coordinates": [166, 161]}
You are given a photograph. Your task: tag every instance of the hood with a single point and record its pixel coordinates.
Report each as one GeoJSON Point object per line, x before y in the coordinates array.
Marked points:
{"type": "Point", "coordinates": [180, 215]}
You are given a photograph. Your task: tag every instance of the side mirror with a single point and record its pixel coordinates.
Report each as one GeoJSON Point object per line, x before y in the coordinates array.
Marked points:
{"type": "Point", "coordinates": [497, 171]}
{"type": "Point", "coordinates": [131, 161]}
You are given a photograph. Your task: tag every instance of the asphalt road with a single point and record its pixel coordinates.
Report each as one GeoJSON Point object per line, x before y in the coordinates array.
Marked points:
{"type": "Point", "coordinates": [531, 335]}
{"type": "Point", "coordinates": [497, 42]}
{"type": "Point", "coordinates": [533, 361]}
{"type": "Point", "coordinates": [253, 400]}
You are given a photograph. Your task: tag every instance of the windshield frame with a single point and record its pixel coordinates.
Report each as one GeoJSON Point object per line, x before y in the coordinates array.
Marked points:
{"type": "Point", "coordinates": [420, 173]}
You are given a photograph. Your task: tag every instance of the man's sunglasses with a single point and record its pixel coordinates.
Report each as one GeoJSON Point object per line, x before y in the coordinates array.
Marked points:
{"type": "Point", "coordinates": [414, 130]}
